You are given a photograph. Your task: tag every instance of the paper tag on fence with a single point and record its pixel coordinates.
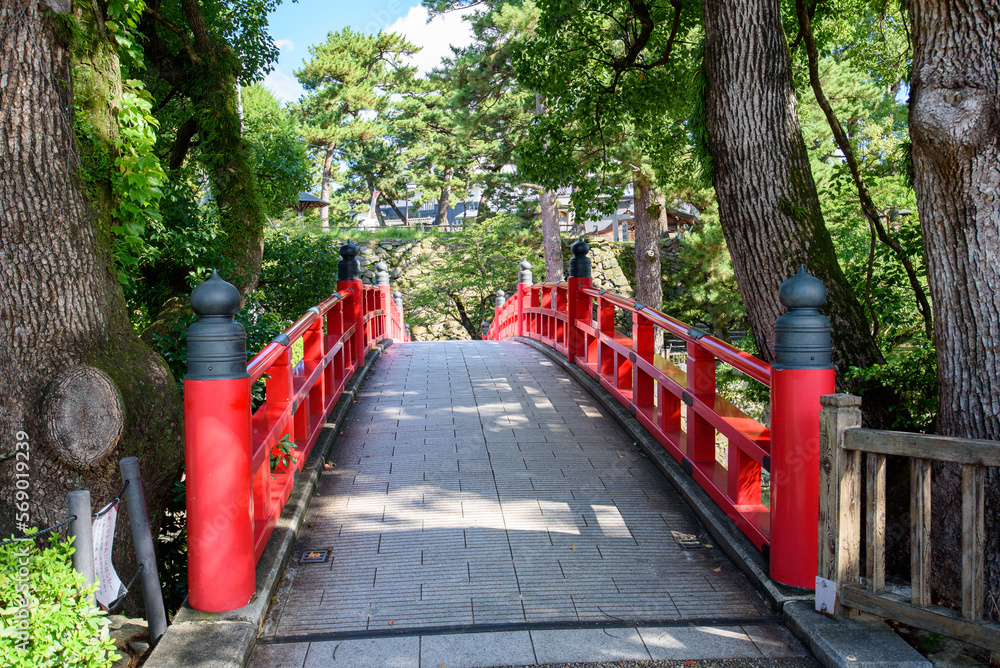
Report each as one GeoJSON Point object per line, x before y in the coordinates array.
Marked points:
{"type": "Point", "coordinates": [826, 595]}
{"type": "Point", "coordinates": [104, 536]}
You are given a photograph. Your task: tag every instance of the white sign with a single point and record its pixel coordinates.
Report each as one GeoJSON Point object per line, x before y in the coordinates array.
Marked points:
{"type": "Point", "coordinates": [826, 595]}
{"type": "Point", "coordinates": [104, 536]}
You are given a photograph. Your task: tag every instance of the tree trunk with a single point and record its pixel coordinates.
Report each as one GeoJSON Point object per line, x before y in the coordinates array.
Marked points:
{"type": "Point", "coordinates": [392, 205]}
{"type": "Point", "coordinates": [551, 241]}
{"type": "Point", "coordinates": [649, 214]}
{"type": "Point", "coordinates": [767, 198]}
{"type": "Point", "coordinates": [223, 153]}
{"type": "Point", "coordinates": [442, 212]}
{"type": "Point", "coordinates": [483, 210]}
{"type": "Point", "coordinates": [78, 382]}
{"type": "Point", "coordinates": [955, 128]}
{"type": "Point", "coordinates": [324, 189]}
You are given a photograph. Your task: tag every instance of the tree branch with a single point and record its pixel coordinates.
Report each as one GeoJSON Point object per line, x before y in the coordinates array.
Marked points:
{"type": "Point", "coordinates": [181, 34]}
{"type": "Point", "coordinates": [867, 205]}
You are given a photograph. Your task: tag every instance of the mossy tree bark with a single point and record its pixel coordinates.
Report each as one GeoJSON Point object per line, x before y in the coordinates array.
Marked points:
{"type": "Point", "coordinates": [205, 71]}
{"type": "Point", "coordinates": [768, 204]}
{"type": "Point", "coordinates": [77, 380]}
{"type": "Point", "coordinates": [955, 128]}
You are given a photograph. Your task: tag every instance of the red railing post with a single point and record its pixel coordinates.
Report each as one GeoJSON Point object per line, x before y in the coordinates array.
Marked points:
{"type": "Point", "coordinates": [580, 305]}
{"type": "Point", "coordinates": [523, 294]}
{"type": "Point", "coordinates": [606, 324]}
{"type": "Point", "coordinates": [700, 383]}
{"type": "Point", "coordinates": [800, 375]}
{"type": "Point", "coordinates": [398, 334]}
{"type": "Point", "coordinates": [217, 453]}
{"type": "Point", "coordinates": [644, 348]}
{"type": "Point", "coordinates": [385, 298]}
{"type": "Point", "coordinates": [349, 278]}
{"type": "Point", "coordinates": [498, 312]}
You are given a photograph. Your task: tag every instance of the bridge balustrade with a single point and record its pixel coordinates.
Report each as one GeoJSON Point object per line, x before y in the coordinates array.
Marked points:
{"type": "Point", "coordinates": [578, 321]}
{"type": "Point", "coordinates": [241, 464]}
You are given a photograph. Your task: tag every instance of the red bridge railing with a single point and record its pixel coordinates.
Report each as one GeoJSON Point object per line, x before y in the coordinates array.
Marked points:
{"type": "Point", "coordinates": [578, 320]}
{"type": "Point", "coordinates": [241, 464]}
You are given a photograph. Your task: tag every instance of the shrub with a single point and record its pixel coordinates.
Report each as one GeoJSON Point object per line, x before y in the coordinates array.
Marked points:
{"type": "Point", "coordinates": [64, 629]}
{"type": "Point", "coordinates": [912, 372]}
{"type": "Point", "coordinates": [298, 271]}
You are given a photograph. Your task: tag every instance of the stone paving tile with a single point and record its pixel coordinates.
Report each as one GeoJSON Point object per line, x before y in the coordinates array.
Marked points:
{"type": "Point", "coordinates": [290, 655]}
{"type": "Point", "coordinates": [699, 643]}
{"type": "Point", "coordinates": [589, 645]}
{"type": "Point", "coordinates": [381, 653]}
{"type": "Point", "coordinates": [479, 650]}
{"type": "Point", "coordinates": [477, 484]}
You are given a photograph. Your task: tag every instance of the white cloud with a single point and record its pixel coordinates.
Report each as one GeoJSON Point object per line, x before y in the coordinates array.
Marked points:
{"type": "Point", "coordinates": [435, 37]}
{"type": "Point", "coordinates": [284, 44]}
{"type": "Point", "coordinates": [284, 86]}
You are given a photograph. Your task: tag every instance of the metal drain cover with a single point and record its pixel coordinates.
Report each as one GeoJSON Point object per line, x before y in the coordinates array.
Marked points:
{"type": "Point", "coordinates": [314, 556]}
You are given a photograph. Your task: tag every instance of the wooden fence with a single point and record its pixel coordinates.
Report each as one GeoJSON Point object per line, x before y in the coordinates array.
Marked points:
{"type": "Point", "coordinates": [842, 442]}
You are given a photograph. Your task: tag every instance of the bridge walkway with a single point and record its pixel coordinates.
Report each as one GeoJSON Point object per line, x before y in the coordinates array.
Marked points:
{"type": "Point", "coordinates": [478, 490]}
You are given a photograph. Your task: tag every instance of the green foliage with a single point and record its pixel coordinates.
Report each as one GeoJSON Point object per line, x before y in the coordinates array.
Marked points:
{"type": "Point", "coordinates": [298, 271]}
{"type": "Point", "coordinates": [277, 155]}
{"type": "Point", "coordinates": [180, 246]}
{"type": "Point", "coordinates": [242, 24]}
{"type": "Point", "coordinates": [122, 23]}
{"type": "Point", "coordinates": [348, 82]}
{"type": "Point", "coordinates": [138, 176]}
{"type": "Point", "coordinates": [912, 372]}
{"type": "Point", "coordinates": [705, 289]}
{"type": "Point", "coordinates": [116, 129]}
{"type": "Point", "coordinates": [877, 126]}
{"type": "Point", "coordinates": [482, 259]}
{"type": "Point", "coordinates": [64, 628]}
{"type": "Point", "coordinates": [616, 84]}
{"type": "Point", "coordinates": [281, 453]}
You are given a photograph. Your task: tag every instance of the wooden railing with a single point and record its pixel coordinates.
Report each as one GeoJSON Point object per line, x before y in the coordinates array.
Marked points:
{"type": "Point", "coordinates": [842, 443]}
{"type": "Point", "coordinates": [562, 316]}
{"type": "Point", "coordinates": [241, 465]}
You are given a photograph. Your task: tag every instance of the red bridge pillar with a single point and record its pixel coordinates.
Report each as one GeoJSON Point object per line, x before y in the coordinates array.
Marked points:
{"type": "Point", "coordinates": [800, 375]}
{"type": "Point", "coordinates": [523, 294]}
{"type": "Point", "coordinates": [579, 305]}
{"type": "Point", "coordinates": [217, 453]}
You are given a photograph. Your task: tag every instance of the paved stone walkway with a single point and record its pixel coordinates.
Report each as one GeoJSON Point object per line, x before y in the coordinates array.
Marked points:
{"type": "Point", "coordinates": [477, 488]}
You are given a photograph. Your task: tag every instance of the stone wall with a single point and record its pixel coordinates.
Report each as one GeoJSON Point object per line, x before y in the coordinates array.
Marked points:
{"type": "Point", "coordinates": [409, 261]}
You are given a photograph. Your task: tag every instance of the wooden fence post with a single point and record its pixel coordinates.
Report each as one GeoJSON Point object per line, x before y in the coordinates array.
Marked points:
{"type": "Point", "coordinates": [839, 496]}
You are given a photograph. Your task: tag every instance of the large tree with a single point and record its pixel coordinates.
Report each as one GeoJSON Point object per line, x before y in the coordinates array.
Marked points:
{"type": "Point", "coordinates": [955, 128]}
{"type": "Point", "coordinates": [614, 78]}
{"type": "Point", "coordinates": [78, 382]}
{"type": "Point", "coordinates": [347, 83]}
{"type": "Point", "coordinates": [767, 197]}
{"type": "Point", "coordinates": [197, 52]}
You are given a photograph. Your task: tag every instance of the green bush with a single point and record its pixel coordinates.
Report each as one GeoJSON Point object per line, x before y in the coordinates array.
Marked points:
{"type": "Point", "coordinates": [64, 629]}
{"type": "Point", "coordinates": [912, 372]}
{"type": "Point", "coordinates": [299, 271]}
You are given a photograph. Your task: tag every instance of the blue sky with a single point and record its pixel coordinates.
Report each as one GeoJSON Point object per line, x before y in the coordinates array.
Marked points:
{"type": "Point", "coordinates": [295, 26]}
